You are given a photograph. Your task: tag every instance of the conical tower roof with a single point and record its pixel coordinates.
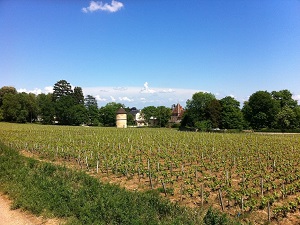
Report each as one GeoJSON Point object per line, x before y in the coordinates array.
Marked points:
{"type": "Point", "coordinates": [121, 111]}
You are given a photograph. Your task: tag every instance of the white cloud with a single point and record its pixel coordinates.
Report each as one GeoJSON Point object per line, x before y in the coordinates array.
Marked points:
{"type": "Point", "coordinates": [120, 88]}
{"type": "Point", "coordinates": [146, 89]}
{"type": "Point", "coordinates": [125, 99]}
{"type": "Point", "coordinates": [167, 91]}
{"type": "Point", "coordinates": [98, 98]}
{"type": "Point", "coordinates": [296, 97]}
{"type": "Point", "coordinates": [99, 5]}
{"type": "Point", "coordinates": [112, 98]}
{"type": "Point", "coordinates": [48, 89]}
{"type": "Point", "coordinates": [36, 91]}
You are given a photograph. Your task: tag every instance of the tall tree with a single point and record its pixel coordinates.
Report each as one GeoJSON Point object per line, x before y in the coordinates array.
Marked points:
{"type": "Point", "coordinates": [163, 115]}
{"type": "Point", "coordinates": [231, 115]}
{"type": "Point", "coordinates": [196, 109]}
{"type": "Point", "coordinates": [78, 96]}
{"type": "Point", "coordinates": [11, 107]}
{"type": "Point", "coordinates": [284, 98]}
{"type": "Point", "coordinates": [46, 108]}
{"type": "Point", "coordinates": [90, 103]}
{"type": "Point", "coordinates": [6, 90]}
{"type": "Point", "coordinates": [63, 109]}
{"type": "Point", "coordinates": [213, 113]}
{"type": "Point", "coordinates": [260, 110]}
{"type": "Point", "coordinates": [61, 88]}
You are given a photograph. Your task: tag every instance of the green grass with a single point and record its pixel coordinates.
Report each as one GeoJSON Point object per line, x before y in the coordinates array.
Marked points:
{"type": "Point", "coordinates": [55, 191]}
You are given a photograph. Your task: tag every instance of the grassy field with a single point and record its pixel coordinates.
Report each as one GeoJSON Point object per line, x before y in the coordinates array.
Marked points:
{"type": "Point", "coordinates": [254, 177]}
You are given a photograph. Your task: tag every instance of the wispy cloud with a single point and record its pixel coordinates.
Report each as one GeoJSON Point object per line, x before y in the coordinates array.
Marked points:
{"type": "Point", "coordinates": [296, 97]}
{"type": "Point", "coordinates": [37, 91]}
{"type": "Point", "coordinates": [98, 98]}
{"type": "Point", "coordinates": [120, 88]}
{"type": "Point", "coordinates": [125, 99]}
{"type": "Point", "coordinates": [146, 89]}
{"type": "Point", "coordinates": [100, 6]}
{"type": "Point", "coordinates": [167, 91]}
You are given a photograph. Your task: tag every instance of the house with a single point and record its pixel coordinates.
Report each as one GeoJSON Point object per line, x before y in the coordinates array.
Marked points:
{"type": "Point", "coordinates": [138, 117]}
{"type": "Point", "coordinates": [177, 113]}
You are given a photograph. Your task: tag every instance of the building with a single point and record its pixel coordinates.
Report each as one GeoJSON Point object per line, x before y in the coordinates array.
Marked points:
{"type": "Point", "coordinates": [177, 113]}
{"type": "Point", "coordinates": [137, 117]}
{"type": "Point", "coordinates": [121, 118]}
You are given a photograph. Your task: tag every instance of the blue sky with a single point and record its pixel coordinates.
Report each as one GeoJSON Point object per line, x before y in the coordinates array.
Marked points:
{"type": "Point", "coordinates": [156, 52]}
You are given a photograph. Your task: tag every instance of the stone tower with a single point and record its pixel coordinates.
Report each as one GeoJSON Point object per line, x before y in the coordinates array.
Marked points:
{"type": "Point", "coordinates": [121, 118]}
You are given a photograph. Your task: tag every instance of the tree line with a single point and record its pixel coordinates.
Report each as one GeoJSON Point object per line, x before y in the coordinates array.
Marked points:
{"type": "Point", "coordinates": [263, 111]}
{"type": "Point", "coordinates": [68, 106]}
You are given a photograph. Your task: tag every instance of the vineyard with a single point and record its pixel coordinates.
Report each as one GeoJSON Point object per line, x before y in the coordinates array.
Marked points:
{"type": "Point", "coordinates": [255, 177]}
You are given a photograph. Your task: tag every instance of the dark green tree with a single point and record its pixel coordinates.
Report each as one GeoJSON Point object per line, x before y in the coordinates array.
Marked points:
{"type": "Point", "coordinates": [46, 108]}
{"type": "Point", "coordinates": [284, 98]}
{"type": "Point", "coordinates": [61, 88]}
{"type": "Point", "coordinates": [11, 107]}
{"type": "Point", "coordinates": [231, 114]}
{"type": "Point", "coordinates": [149, 112]}
{"type": "Point", "coordinates": [90, 103]}
{"type": "Point", "coordinates": [63, 110]}
{"type": "Point", "coordinates": [79, 115]}
{"type": "Point", "coordinates": [78, 96]}
{"type": "Point", "coordinates": [163, 115]}
{"type": "Point", "coordinates": [197, 110]}
{"type": "Point", "coordinates": [260, 110]}
{"type": "Point", "coordinates": [213, 113]}
{"type": "Point", "coordinates": [6, 90]}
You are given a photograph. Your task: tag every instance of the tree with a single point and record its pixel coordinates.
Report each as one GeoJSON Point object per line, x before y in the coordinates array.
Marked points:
{"type": "Point", "coordinates": [213, 113]}
{"type": "Point", "coordinates": [149, 112]}
{"type": "Point", "coordinates": [61, 88]}
{"type": "Point", "coordinates": [231, 115]}
{"type": "Point", "coordinates": [260, 110]}
{"type": "Point", "coordinates": [108, 113]}
{"type": "Point", "coordinates": [79, 115]}
{"type": "Point", "coordinates": [63, 109]}
{"type": "Point", "coordinates": [6, 90]}
{"type": "Point", "coordinates": [90, 103]}
{"type": "Point", "coordinates": [197, 109]}
{"type": "Point", "coordinates": [46, 108]}
{"type": "Point", "coordinates": [11, 107]}
{"type": "Point", "coordinates": [284, 98]}
{"type": "Point", "coordinates": [78, 96]}
{"type": "Point", "coordinates": [286, 118]}
{"type": "Point", "coordinates": [163, 115]}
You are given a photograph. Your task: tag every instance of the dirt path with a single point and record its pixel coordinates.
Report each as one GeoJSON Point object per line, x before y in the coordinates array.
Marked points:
{"type": "Point", "coordinates": [18, 217]}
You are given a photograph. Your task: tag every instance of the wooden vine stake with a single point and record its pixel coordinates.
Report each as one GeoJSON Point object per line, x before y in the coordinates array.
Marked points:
{"type": "Point", "coordinates": [181, 192]}
{"type": "Point", "coordinates": [139, 174]}
{"type": "Point", "coordinates": [221, 200]}
{"type": "Point", "coordinates": [262, 187]}
{"type": "Point", "coordinates": [269, 213]}
{"type": "Point", "coordinates": [164, 187]}
{"type": "Point", "coordinates": [202, 195]}
{"type": "Point", "coordinates": [242, 204]}
{"type": "Point", "coordinates": [150, 179]}
{"type": "Point", "coordinates": [97, 166]}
